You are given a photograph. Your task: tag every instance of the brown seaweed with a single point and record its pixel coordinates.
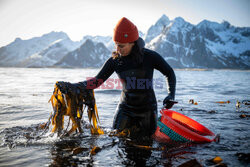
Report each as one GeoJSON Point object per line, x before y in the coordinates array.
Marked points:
{"type": "Point", "coordinates": [72, 104]}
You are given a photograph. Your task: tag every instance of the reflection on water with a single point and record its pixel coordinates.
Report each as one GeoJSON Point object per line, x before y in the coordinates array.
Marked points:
{"type": "Point", "coordinates": [24, 94]}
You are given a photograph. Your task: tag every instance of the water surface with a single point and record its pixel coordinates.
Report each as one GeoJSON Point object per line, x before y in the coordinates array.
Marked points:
{"type": "Point", "coordinates": [24, 95]}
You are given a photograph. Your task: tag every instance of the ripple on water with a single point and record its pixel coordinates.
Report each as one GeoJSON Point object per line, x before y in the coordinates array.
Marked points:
{"type": "Point", "coordinates": [23, 105]}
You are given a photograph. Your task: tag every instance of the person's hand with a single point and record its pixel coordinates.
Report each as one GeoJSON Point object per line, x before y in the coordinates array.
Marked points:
{"type": "Point", "coordinates": [63, 86]}
{"type": "Point", "coordinates": [72, 88]}
{"type": "Point", "coordinates": [67, 87]}
{"type": "Point", "coordinates": [168, 102]}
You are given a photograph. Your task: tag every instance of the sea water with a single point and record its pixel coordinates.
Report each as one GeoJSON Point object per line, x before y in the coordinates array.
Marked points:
{"type": "Point", "coordinates": [24, 95]}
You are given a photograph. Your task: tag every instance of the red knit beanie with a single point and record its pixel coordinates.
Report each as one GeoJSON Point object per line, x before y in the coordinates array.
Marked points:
{"type": "Point", "coordinates": [125, 31]}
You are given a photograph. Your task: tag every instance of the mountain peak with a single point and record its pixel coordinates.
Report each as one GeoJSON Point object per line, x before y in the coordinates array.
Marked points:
{"type": "Point", "coordinates": [204, 23]}
{"type": "Point", "coordinates": [209, 24]}
{"type": "Point", "coordinates": [55, 34]}
{"type": "Point", "coordinates": [226, 24]}
{"type": "Point", "coordinates": [156, 29]}
{"type": "Point", "coordinates": [18, 39]}
{"type": "Point", "coordinates": [164, 20]}
{"type": "Point", "coordinates": [214, 25]}
{"type": "Point", "coordinates": [179, 21]}
{"type": "Point", "coordinates": [87, 44]}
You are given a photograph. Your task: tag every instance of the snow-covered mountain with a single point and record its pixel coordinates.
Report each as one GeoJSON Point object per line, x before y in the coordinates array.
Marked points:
{"type": "Point", "coordinates": [90, 54]}
{"type": "Point", "coordinates": [157, 29]}
{"type": "Point", "coordinates": [206, 45]}
{"type": "Point", "coordinates": [183, 45]}
{"type": "Point", "coordinates": [106, 40]}
{"type": "Point", "coordinates": [51, 54]}
{"type": "Point", "coordinates": [20, 52]}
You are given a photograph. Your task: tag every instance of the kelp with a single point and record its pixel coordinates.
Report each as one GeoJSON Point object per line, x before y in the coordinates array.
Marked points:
{"type": "Point", "coordinates": [72, 103]}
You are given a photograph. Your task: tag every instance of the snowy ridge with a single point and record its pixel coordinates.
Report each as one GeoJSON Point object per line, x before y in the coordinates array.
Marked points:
{"type": "Point", "coordinates": [206, 45]}
{"type": "Point", "coordinates": [106, 40]}
{"type": "Point", "coordinates": [51, 54]}
{"type": "Point", "coordinates": [157, 29]}
{"type": "Point", "coordinates": [183, 45]}
{"type": "Point", "coordinates": [90, 54]}
{"type": "Point", "coordinates": [19, 50]}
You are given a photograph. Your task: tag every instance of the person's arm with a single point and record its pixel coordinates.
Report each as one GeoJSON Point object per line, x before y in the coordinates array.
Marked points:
{"type": "Point", "coordinates": [161, 65]}
{"type": "Point", "coordinates": [105, 72]}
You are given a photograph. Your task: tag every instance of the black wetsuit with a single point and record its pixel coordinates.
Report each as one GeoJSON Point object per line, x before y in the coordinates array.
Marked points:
{"type": "Point", "coordinates": [137, 106]}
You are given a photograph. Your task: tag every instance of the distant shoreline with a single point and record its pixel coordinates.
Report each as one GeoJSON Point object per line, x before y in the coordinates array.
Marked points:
{"type": "Point", "coordinates": [210, 69]}
{"type": "Point", "coordinates": [176, 69]}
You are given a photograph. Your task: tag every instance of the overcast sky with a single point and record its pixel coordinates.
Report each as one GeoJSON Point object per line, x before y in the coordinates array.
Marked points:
{"type": "Point", "coordinates": [31, 18]}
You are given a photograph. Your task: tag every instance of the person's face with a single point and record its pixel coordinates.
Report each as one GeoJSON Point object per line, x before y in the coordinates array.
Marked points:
{"type": "Point", "coordinates": [124, 49]}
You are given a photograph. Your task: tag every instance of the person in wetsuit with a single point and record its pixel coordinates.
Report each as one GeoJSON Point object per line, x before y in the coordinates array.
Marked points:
{"type": "Point", "coordinates": [134, 65]}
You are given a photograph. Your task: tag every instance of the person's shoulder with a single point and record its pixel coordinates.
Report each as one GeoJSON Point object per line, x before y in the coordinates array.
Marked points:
{"type": "Point", "coordinates": [148, 51]}
{"type": "Point", "coordinates": [110, 58]}
{"type": "Point", "coordinates": [113, 61]}
{"type": "Point", "coordinates": [110, 61]}
{"type": "Point", "coordinates": [151, 53]}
